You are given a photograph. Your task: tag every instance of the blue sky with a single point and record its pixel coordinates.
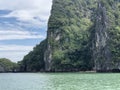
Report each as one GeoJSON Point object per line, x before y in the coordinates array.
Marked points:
{"type": "Point", "coordinates": [23, 24]}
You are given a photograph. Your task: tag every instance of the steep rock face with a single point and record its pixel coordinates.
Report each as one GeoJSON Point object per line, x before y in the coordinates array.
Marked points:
{"type": "Point", "coordinates": [113, 12]}
{"type": "Point", "coordinates": [82, 35]}
{"type": "Point", "coordinates": [72, 27]}
{"type": "Point", "coordinates": [107, 20]}
{"type": "Point", "coordinates": [69, 34]}
{"type": "Point", "coordinates": [101, 52]}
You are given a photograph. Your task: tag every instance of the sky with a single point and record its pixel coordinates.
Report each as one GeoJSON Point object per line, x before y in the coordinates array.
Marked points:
{"type": "Point", "coordinates": [23, 24]}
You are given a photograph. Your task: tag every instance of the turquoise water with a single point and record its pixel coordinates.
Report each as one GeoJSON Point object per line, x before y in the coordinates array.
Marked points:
{"type": "Point", "coordinates": [59, 81]}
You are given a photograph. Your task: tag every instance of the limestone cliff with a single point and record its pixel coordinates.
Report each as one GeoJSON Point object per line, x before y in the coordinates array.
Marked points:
{"type": "Point", "coordinates": [82, 35]}
{"type": "Point", "coordinates": [105, 25]}
{"type": "Point", "coordinates": [101, 51]}
{"type": "Point", "coordinates": [68, 33]}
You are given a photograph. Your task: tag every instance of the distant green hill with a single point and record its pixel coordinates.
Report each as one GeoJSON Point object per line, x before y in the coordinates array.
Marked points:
{"type": "Point", "coordinates": [7, 66]}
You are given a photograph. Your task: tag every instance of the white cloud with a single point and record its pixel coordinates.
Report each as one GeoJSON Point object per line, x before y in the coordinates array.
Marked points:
{"type": "Point", "coordinates": [29, 16]}
{"type": "Point", "coordinates": [19, 34]}
{"type": "Point", "coordinates": [14, 52]}
{"type": "Point", "coordinates": [35, 12]}
{"type": "Point", "coordinates": [15, 48]}
{"type": "Point", "coordinates": [43, 5]}
{"type": "Point", "coordinates": [21, 15]}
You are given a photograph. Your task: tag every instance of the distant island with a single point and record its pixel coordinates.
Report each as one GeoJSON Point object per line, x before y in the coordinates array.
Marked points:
{"type": "Point", "coordinates": [83, 35]}
{"type": "Point", "coordinates": [8, 66]}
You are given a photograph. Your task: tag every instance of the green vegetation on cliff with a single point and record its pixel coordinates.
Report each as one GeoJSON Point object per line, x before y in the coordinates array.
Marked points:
{"type": "Point", "coordinates": [69, 35]}
{"type": "Point", "coordinates": [34, 61]}
{"type": "Point", "coordinates": [82, 35]}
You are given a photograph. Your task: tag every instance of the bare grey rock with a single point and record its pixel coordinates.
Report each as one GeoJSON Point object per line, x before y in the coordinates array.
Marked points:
{"type": "Point", "coordinates": [101, 52]}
